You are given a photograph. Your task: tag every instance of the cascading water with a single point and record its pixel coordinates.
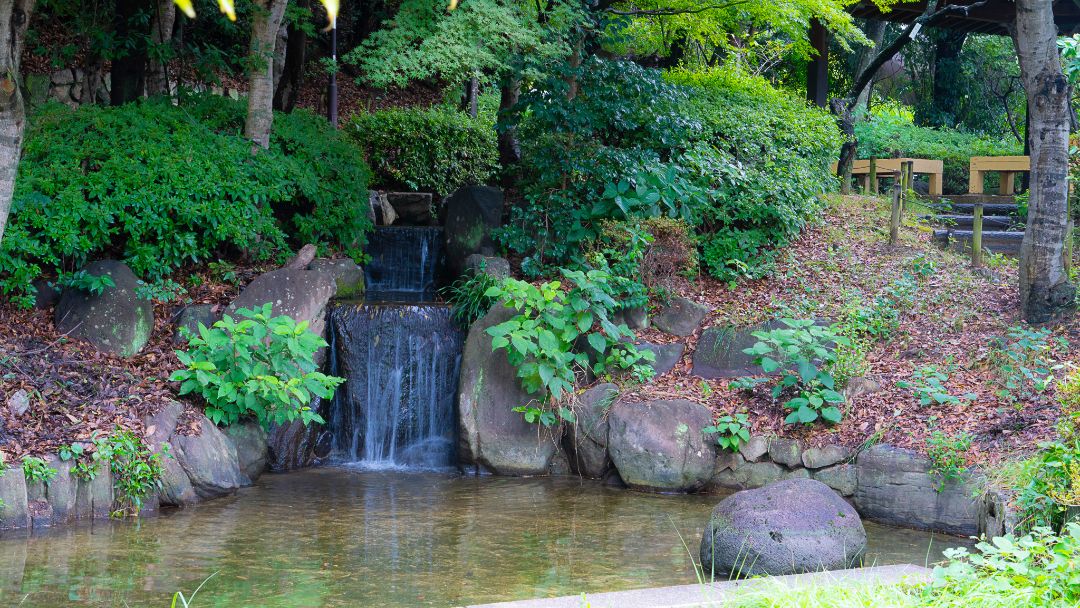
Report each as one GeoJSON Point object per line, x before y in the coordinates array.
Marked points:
{"type": "Point", "coordinates": [399, 358]}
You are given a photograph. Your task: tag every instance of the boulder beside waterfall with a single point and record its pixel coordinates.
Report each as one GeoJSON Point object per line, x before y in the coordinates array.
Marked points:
{"type": "Point", "coordinates": [491, 434]}
{"type": "Point", "coordinates": [658, 445]}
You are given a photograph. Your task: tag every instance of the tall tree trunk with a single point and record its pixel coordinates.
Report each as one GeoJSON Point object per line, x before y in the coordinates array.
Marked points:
{"type": "Point", "coordinates": [1045, 290]}
{"type": "Point", "coordinates": [14, 18]}
{"type": "Point", "coordinates": [875, 32]}
{"type": "Point", "coordinates": [292, 73]}
{"type": "Point", "coordinates": [509, 150]}
{"type": "Point", "coordinates": [128, 73]}
{"type": "Point", "coordinates": [265, 21]}
{"type": "Point", "coordinates": [161, 30]}
{"type": "Point", "coordinates": [945, 105]}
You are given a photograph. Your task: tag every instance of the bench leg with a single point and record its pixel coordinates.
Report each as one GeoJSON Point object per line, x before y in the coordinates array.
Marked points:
{"type": "Point", "coordinates": [975, 182]}
{"type": "Point", "coordinates": [935, 184]}
{"type": "Point", "coordinates": [1006, 187]}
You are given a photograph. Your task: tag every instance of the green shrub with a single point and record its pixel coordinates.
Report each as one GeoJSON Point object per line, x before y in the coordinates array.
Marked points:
{"type": "Point", "coordinates": [161, 186]}
{"type": "Point", "coordinates": [802, 353]}
{"type": "Point", "coordinates": [35, 469]}
{"type": "Point", "coordinates": [429, 150]}
{"type": "Point", "coordinates": [136, 469]}
{"type": "Point", "coordinates": [551, 337]}
{"type": "Point", "coordinates": [731, 430]}
{"type": "Point", "coordinates": [946, 453]}
{"type": "Point", "coordinates": [468, 297]}
{"type": "Point", "coordinates": [891, 136]}
{"type": "Point", "coordinates": [261, 366]}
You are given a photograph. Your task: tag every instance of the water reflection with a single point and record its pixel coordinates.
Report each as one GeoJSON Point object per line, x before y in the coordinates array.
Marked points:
{"type": "Point", "coordinates": [340, 537]}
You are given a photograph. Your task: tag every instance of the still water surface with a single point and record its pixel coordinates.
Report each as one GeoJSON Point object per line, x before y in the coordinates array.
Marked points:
{"type": "Point", "coordinates": [337, 537]}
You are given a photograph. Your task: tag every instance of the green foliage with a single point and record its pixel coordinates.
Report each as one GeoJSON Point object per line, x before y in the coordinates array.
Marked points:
{"type": "Point", "coordinates": [165, 290]}
{"type": "Point", "coordinates": [560, 331]}
{"type": "Point", "coordinates": [429, 150]}
{"type": "Point", "coordinates": [1026, 362]}
{"type": "Point", "coordinates": [261, 366]}
{"type": "Point", "coordinates": [1048, 484]}
{"type": "Point", "coordinates": [928, 384]}
{"type": "Point", "coordinates": [946, 454]}
{"type": "Point", "coordinates": [802, 354]}
{"type": "Point", "coordinates": [468, 297]}
{"type": "Point", "coordinates": [731, 430]}
{"type": "Point", "coordinates": [136, 469]}
{"type": "Point", "coordinates": [35, 469]}
{"type": "Point", "coordinates": [891, 137]}
{"type": "Point", "coordinates": [162, 186]}
{"type": "Point", "coordinates": [1037, 569]}
{"type": "Point", "coordinates": [84, 281]}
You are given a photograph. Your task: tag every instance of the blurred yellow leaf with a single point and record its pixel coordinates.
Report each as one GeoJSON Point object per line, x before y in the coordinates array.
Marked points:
{"type": "Point", "coordinates": [332, 7]}
{"type": "Point", "coordinates": [186, 7]}
{"type": "Point", "coordinates": [228, 8]}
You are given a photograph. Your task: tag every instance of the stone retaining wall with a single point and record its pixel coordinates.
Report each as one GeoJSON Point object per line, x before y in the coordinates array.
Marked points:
{"type": "Point", "coordinates": [885, 484]}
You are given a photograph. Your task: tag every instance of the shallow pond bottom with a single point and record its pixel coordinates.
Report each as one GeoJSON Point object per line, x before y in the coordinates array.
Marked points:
{"type": "Point", "coordinates": [337, 536]}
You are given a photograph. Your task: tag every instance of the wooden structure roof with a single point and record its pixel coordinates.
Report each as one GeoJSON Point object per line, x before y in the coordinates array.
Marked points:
{"type": "Point", "coordinates": [989, 17]}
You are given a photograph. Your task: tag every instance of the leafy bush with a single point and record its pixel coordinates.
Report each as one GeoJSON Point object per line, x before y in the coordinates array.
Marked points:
{"type": "Point", "coordinates": [891, 136]}
{"type": "Point", "coordinates": [1026, 362]}
{"type": "Point", "coordinates": [430, 150]}
{"type": "Point", "coordinates": [261, 366]}
{"type": "Point", "coordinates": [946, 453]}
{"type": "Point", "coordinates": [468, 297]}
{"type": "Point", "coordinates": [1048, 484]}
{"type": "Point", "coordinates": [802, 354]}
{"type": "Point", "coordinates": [546, 341]}
{"type": "Point", "coordinates": [136, 469]}
{"type": "Point", "coordinates": [928, 384]}
{"type": "Point", "coordinates": [160, 186]}
{"type": "Point", "coordinates": [35, 469]}
{"type": "Point", "coordinates": [731, 430]}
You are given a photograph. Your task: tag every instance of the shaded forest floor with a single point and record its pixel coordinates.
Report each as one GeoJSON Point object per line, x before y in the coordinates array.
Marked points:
{"type": "Point", "coordinates": [958, 320]}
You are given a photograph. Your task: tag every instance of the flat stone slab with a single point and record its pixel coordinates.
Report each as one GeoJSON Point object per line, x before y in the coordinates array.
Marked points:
{"type": "Point", "coordinates": [708, 595]}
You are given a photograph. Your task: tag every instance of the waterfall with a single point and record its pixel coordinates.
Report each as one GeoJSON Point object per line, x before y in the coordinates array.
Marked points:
{"type": "Point", "coordinates": [399, 357]}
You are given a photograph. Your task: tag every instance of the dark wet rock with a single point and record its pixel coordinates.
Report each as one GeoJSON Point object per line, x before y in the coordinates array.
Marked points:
{"type": "Point", "coordinates": [300, 294]}
{"type": "Point", "coordinates": [792, 526]}
{"type": "Point", "coordinates": [472, 213]}
{"type": "Point", "coordinates": [348, 276]}
{"type": "Point", "coordinates": [681, 317]}
{"type": "Point", "coordinates": [290, 446]}
{"type": "Point", "coordinates": [58, 494]}
{"type": "Point", "coordinates": [667, 355]}
{"type": "Point", "coordinates": [636, 318]}
{"type": "Point", "coordinates": [116, 321]}
{"type": "Point", "coordinates": [841, 478]}
{"type": "Point", "coordinates": [176, 488]}
{"type": "Point", "coordinates": [787, 452]}
{"type": "Point", "coordinates": [46, 295]}
{"type": "Point", "coordinates": [825, 456]}
{"type": "Point", "coordinates": [586, 438]}
{"type": "Point", "coordinates": [496, 267]}
{"type": "Point", "coordinates": [14, 514]}
{"type": "Point", "coordinates": [249, 439]}
{"type": "Point", "coordinates": [658, 445]}
{"type": "Point", "coordinates": [209, 459]}
{"type": "Point", "coordinates": [895, 487]}
{"type": "Point", "coordinates": [94, 497]}
{"type": "Point", "coordinates": [413, 208]}
{"type": "Point", "coordinates": [491, 434]}
{"type": "Point", "coordinates": [191, 316]}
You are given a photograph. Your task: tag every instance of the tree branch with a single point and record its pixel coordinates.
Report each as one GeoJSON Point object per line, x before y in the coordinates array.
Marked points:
{"type": "Point", "coordinates": [670, 12]}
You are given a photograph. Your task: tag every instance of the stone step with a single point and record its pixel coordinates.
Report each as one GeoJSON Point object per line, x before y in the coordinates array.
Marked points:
{"type": "Point", "coordinates": [996, 241]}
{"type": "Point", "coordinates": [965, 222]}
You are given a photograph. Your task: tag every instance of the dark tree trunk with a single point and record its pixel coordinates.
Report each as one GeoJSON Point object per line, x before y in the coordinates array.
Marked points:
{"type": "Point", "coordinates": [292, 74]}
{"type": "Point", "coordinates": [470, 99]}
{"type": "Point", "coordinates": [509, 150]}
{"type": "Point", "coordinates": [161, 31]}
{"type": "Point", "coordinates": [945, 105]}
{"type": "Point", "coordinates": [1045, 290]}
{"type": "Point", "coordinates": [128, 73]}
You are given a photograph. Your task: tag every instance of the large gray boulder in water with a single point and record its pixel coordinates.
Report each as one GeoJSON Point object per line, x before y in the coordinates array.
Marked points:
{"type": "Point", "coordinates": [491, 434]}
{"type": "Point", "coordinates": [787, 527]}
{"type": "Point", "coordinates": [658, 445]}
{"type": "Point", "coordinates": [115, 321]}
{"type": "Point", "coordinates": [587, 437]}
{"type": "Point", "coordinates": [210, 461]}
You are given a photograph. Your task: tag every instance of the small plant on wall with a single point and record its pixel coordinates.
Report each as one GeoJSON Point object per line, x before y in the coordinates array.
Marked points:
{"type": "Point", "coordinates": [545, 341]}
{"type": "Point", "coordinates": [260, 366]}
{"type": "Point", "coordinates": [731, 431]}
{"type": "Point", "coordinates": [802, 353]}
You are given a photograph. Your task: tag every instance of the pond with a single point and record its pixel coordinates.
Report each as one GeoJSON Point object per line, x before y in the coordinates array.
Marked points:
{"type": "Point", "coordinates": [336, 537]}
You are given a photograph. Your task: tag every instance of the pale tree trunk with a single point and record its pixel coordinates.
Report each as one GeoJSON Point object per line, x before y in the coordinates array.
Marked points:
{"type": "Point", "coordinates": [161, 29]}
{"type": "Point", "coordinates": [265, 22]}
{"type": "Point", "coordinates": [1045, 290]}
{"type": "Point", "coordinates": [875, 32]}
{"type": "Point", "coordinates": [14, 18]}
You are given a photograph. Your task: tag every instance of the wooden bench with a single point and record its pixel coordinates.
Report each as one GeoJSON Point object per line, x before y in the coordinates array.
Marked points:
{"type": "Point", "coordinates": [1006, 166]}
{"type": "Point", "coordinates": [885, 167]}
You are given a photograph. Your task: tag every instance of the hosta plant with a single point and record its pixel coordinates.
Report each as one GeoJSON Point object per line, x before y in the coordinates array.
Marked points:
{"type": "Point", "coordinates": [261, 366]}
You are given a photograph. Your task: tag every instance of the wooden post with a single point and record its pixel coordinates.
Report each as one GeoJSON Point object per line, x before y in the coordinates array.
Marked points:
{"type": "Point", "coordinates": [976, 237]}
{"type": "Point", "coordinates": [817, 72]}
{"type": "Point", "coordinates": [909, 183]}
{"type": "Point", "coordinates": [894, 218]}
{"type": "Point", "coordinates": [873, 176]}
